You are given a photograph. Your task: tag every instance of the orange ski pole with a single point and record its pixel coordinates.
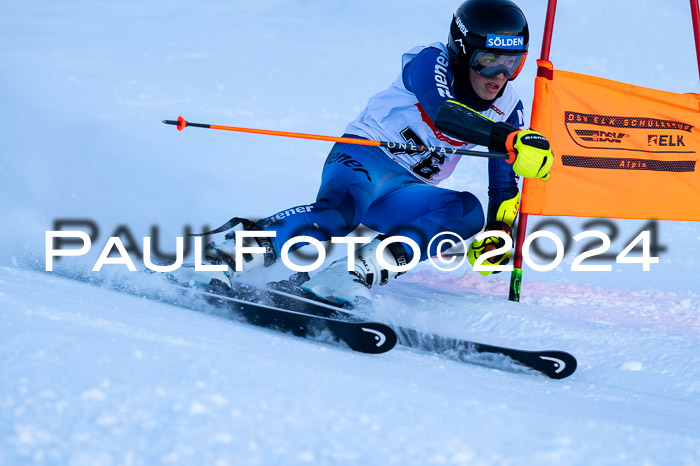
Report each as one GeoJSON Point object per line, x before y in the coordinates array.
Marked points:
{"type": "Point", "coordinates": [181, 123]}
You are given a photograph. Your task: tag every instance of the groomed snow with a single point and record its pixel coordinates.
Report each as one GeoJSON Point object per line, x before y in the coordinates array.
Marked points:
{"type": "Point", "coordinates": [91, 376]}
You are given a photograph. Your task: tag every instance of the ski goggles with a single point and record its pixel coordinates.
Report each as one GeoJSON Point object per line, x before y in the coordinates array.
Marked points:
{"type": "Point", "coordinates": [489, 64]}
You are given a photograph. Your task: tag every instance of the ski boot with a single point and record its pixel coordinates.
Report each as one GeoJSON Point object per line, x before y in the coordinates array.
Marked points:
{"type": "Point", "coordinates": [224, 253]}
{"type": "Point", "coordinates": [339, 286]}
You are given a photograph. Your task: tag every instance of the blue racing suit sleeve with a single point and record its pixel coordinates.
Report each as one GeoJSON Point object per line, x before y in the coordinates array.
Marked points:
{"type": "Point", "coordinates": [503, 183]}
{"type": "Point", "coordinates": [429, 76]}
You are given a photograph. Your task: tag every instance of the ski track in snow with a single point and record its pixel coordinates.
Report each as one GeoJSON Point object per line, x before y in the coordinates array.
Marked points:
{"type": "Point", "coordinates": [107, 377]}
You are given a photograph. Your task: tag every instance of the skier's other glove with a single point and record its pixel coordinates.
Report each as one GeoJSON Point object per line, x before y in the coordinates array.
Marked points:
{"type": "Point", "coordinates": [529, 150]}
{"type": "Point", "coordinates": [477, 248]}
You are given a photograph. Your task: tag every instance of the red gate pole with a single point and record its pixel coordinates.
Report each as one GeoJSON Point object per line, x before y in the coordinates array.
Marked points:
{"type": "Point", "coordinates": [516, 275]}
{"type": "Point", "coordinates": [695, 14]}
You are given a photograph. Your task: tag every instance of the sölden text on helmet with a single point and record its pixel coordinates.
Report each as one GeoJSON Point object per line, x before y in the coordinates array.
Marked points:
{"type": "Point", "coordinates": [497, 26]}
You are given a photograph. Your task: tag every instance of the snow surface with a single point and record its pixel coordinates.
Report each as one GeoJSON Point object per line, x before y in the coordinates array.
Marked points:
{"type": "Point", "coordinates": [92, 376]}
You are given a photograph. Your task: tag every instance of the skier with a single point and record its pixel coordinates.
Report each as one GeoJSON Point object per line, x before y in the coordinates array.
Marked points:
{"type": "Point", "coordinates": [395, 192]}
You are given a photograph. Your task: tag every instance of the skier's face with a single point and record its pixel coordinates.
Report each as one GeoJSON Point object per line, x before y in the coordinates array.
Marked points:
{"type": "Point", "coordinates": [487, 88]}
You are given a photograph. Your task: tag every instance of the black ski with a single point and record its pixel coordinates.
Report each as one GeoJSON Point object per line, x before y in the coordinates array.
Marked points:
{"type": "Point", "coordinates": [250, 304]}
{"type": "Point", "coordinates": [287, 308]}
{"type": "Point", "coordinates": [362, 336]}
{"type": "Point", "coordinates": [287, 295]}
{"type": "Point", "coordinates": [553, 364]}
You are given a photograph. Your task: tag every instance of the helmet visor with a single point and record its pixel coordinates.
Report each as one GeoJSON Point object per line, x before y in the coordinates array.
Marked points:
{"type": "Point", "coordinates": [489, 64]}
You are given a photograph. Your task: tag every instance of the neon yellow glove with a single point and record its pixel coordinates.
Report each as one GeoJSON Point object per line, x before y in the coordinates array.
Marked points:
{"type": "Point", "coordinates": [533, 158]}
{"type": "Point", "coordinates": [505, 217]}
{"type": "Point", "coordinates": [477, 248]}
